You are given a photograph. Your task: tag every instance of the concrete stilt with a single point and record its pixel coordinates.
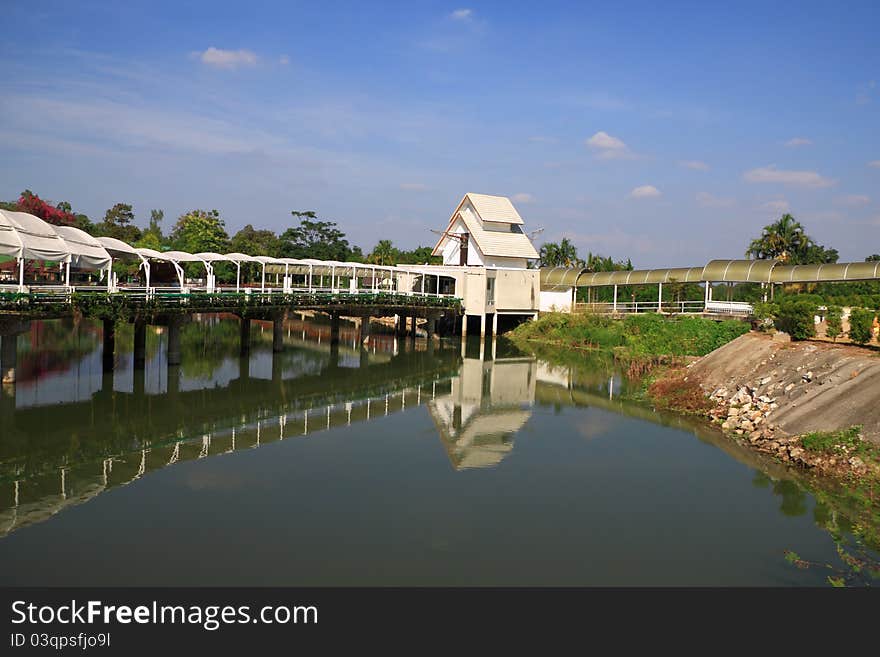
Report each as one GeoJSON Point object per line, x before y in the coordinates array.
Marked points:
{"type": "Point", "coordinates": [494, 325]}
{"type": "Point", "coordinates": [8, 358]}
{"type": "Point", "coordinates": [278, 333]}
{"type": "Point", "coordinates": [173, 343]}
{"type": "Point", "coordinates": [334, 329]}
{"type": "Point", "coordinates": [483, 325]}
{"type": "Point", "coordinates": [140, 344]}
{"type": "Point", "coordinates": [244, 339]}
{"type": "Point", "coordinates": [464, 327]}
{"type": "Point", "coordinates": [413, 321]}
{"type": "Point", "coordinates": [364, 330]}
{"type": "Point", "coordinates": [109, 344]}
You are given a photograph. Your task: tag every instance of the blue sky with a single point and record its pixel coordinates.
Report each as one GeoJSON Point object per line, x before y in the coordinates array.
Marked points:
{"type": "Point", "coordinates": [665, 132]}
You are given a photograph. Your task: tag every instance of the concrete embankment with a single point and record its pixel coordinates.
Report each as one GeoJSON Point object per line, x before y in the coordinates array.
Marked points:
{"type": "Point", "coordinates": [815, 386]}
{"type": "Point", "coordinates": [769, 392]}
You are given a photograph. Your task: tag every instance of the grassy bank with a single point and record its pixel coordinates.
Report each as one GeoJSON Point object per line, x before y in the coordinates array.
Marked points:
{"type": "Point", "coordinates": [636, 340]}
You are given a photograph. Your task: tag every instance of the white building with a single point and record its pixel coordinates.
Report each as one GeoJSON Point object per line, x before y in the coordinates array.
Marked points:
{"type": "Point", "coordinates": [486, 262]}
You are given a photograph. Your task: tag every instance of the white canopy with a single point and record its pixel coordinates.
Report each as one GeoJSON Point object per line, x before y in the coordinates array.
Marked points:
{"type": "Point", "coordinates": [240, 257]}
{"type": "Point", "coordinates": [23, 235]}
{"type": "Point", "coordinates": [117, 247]}
{"type": "Point", "coordinates": [86, 251]}
{"type": "Point", "coordinates": [210, 256]}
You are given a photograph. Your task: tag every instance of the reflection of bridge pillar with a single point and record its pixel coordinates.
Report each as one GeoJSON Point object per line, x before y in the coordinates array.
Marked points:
{"type": "Point", "coordinates": [109, 344]}
{"type": "Point", "coordinates": [140, 344]}
{"type": "Point", "coordinates": [140, 381]}
{"type": "Point", "coordinates": [464, 323]}
{"type": "Point", "coordinates": [244, 336]}
{"type": "Point", "coordinates": [412, 335]}
{"type": "Point", "coordinates": [334, 329]}
{"type": "Point", "coordinates": [400, 329]}
{"type": "Point", "coordinates": [364, 329]}
{"type": "Point", "coordinates": [276, 367]}
{"type": "Point", "coordinates": [8, 358]}
{"type": "Point", "coordinates": [173, 380]}
{"type": "Point", "coordinates": [173, 342]}
{"type": "Point", "coordinates": [244, 367]}
{"type": "Point", "coordinates": [278, 333]}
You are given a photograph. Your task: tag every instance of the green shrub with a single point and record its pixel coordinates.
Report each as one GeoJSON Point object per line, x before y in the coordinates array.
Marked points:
{"type": "Point", "coordinates": [833, 322]}
{"type": "Point", "coordinates": [860, 325]}
{"type": "Point", "coordinates": [840, 441]}
{"type": "Point", "coordinates": [797, 318]}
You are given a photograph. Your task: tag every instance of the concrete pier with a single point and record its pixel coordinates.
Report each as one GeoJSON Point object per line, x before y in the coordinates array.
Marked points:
{"type": "Point", "coordinates": [8, 358]}
{"type": "Point", "coordinates": [140, 344]}
{"type": "Point", "coordinates": [244, 339]}
{"type": "Point", "coordinates": [334, 329]}
{"type": "Point", "coordinates": [278, 333]}
{"type": "Point", "coordinates": [173, 343]}
{"type": "Point", "coordinates": [109, 344]}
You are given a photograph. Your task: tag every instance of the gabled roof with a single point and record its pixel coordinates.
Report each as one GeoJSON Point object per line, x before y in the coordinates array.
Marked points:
{"type": "Point", "coordinates": [492, 208]}
{"type": "Point", "coordinates": [494, 243]}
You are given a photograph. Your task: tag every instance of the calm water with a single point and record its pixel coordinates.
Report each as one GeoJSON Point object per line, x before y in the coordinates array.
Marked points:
{"type": "Point", "coordinates": [402, 464]}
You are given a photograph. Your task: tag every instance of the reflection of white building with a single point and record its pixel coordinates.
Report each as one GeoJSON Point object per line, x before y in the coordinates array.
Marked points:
{"type": "Point", "coordinates": [489, 402]}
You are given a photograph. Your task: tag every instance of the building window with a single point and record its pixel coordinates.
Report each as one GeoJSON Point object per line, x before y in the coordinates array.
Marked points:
{"type": "Point", "coordinates": [490, 291]}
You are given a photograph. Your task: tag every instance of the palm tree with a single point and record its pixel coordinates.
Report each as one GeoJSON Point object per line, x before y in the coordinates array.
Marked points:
{"type": "Point", "coordinates": [784, 239]}
{"type": "Point", "coordinates": [563, 254]}
{"type": "Point", "coordinates": [383, 253]}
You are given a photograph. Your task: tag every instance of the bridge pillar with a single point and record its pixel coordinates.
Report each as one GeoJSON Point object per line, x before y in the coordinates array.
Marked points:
{"type": "Point", "coordinates": [140, 344]}
{"type": "Point", "coordinates": [278, 333]}
{"type": "Point", "coordinates": [412, 335]}
{"type": "Point", "coordinates": [109, 344]}
{"type": "Point", "coordinates": [334, 329]}
{"type": "Point", "coordinates": [173, 342]}
{"type": "Point", "coordinates": [483, 325]}
{"type": "Point", "coordinates": [364, 330]}
{"type": "Point", "coordinates": [244, 339]}
{"type": "Point", "coordinates": [8, 358]}
{"type": "Point", "coordinates": [494, 325]}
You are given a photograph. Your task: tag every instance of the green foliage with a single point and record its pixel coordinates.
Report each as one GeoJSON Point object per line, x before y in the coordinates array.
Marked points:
{"type": "Point", "coordinates": [643, 335]}
{"type": "Point", "coordinates": [563, 254]}
{"type": "Point", "coordinates": [796, 317]}
{"type": "Point", "coordinates": [833, 321]}
{"type": "Point", "coordinates": [786, 240]}
{"type": "Point", "coordinates": [844, 441]}
{"type": "Point", "coordinates": [200, 230]}
{"type": "Point", "coordinates": [385, 253]}
{"type": "Point", "coordinates": [251, 241]}
{"type": "Point", "coordinates": [316, 239]}
{"type": "Point", "coordinates": [860, 325]}
{"type": "Point", "coordinates": [118, 223]}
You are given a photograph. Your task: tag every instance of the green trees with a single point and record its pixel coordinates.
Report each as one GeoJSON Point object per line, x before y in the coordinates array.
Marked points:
{"type": "Point", "coordinates": [316, 239]}
{"type": "Point", "coordinates": [786, 240]}
{"type": "Point", "coordinates": [833, 322]}
{"type": "Point", "coordinates": [251, 241]}
{"type": "Point", "coordinates": [200, 230]}
{"type": "Point", "coordinates": [563, 254]}
{"type": "Point", "coordinates": [796, 317]}
{"type": "Point", "coordinates": [119, 223]}
{"type": "Point", "coordinates": [383, 253]}
{"type": "Point", "coordinates": [860, 325]}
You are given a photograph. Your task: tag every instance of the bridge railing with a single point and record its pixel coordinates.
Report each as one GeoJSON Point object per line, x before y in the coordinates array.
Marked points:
{"type": "Point", "coordinates": [732, 308]}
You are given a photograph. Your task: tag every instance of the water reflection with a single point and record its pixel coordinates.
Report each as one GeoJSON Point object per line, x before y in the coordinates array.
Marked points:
{"type": "Point", "coordinates": [563, 439]}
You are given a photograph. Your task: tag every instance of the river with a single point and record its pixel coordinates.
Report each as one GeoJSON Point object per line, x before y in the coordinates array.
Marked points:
{"type": "Point", "coordinates": [401, 464]}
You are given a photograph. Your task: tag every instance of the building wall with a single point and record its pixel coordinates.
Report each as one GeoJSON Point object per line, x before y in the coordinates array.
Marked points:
{"type": "Point", "coordinates": [516, 290]}
{"type": "Point", "coordinates": [555, 300]}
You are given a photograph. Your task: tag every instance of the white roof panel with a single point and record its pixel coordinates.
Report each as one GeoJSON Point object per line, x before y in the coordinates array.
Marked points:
{"type": "Point", "coordinates": [86, 251]}
{"type": "Point", "coordinates": [37, 240]}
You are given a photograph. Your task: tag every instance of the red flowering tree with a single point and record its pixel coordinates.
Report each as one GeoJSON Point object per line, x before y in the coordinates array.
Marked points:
{"type": "Point", "coordinates": [33, 204]}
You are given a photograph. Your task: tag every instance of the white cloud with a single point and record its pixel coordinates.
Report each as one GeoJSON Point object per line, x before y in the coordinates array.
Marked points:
{"type": "Point", "coordinates": [607, 147]}
{"type": "Point", "coordinates": [854, 200]}
{"type": "Point", "coordinates": [284, 60]}
{"type": "Point", "coordinates": [798, 141]}
{"type": "Point", "coordinates": [777, 205]}
{"type": "Point", "coordinates": [771, 174]}
{"type": "Point", "coordinates": [696, 165]}
{"type": "Point", "coordinates": [462, 14]}
{"type": "Point", "coordinates": [523, 197]}
{"type": "Point", "coordinates": [227, 58]}
{"type": "Point", "coordinates": [874, 163]}
{"type": "Point", "coordinates": [645, 191]}
{"type": "Point", "coordinates": [414, 187]}
{"type": "Point", "coordinates": [707, 200]}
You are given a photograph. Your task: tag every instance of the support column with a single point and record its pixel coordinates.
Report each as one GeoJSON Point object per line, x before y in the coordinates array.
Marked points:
{"type": "Point", "coordinates": [659, 297]}
{"type": "Point", "coordinates": [8, 358]}
{"type": "Point", "coordinates": [614, 306]}
{"type": "Point", "coordinates": [464, 323]}
{"type": "Point", "coordinates": [140, 344]}
{"type": "Point", "coordinates": [494, 325]}
{"type": "Point", "coordinates": [334, 329]}
{"type": "Point", "coordinates": [173, 342]}
{"type": "Point", "coordinates": [109, 344]}
{"type": "Point", "coordinates": [278, 333]}
{"type": "Point", "coordinates": [364, 333]}
{"type": "Point", "coordinates": [483, 325]}
{"type": "Point", "coordinates": [412, 335]}
{"type": "Point", "coordinates": [244, 336]}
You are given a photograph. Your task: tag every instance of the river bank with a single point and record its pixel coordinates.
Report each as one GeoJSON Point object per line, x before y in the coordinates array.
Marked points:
{"type": "Point", "coordinates": [810, 404]}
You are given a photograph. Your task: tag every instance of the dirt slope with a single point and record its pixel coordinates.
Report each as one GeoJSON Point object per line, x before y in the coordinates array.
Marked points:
{"type": "Point", "coordinates": [817, 386]}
